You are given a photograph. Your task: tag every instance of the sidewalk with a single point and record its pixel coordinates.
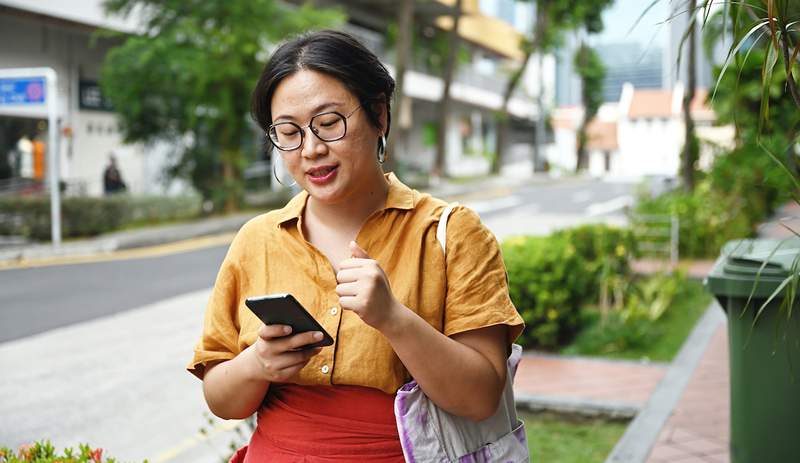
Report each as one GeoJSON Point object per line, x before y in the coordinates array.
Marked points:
{"type": "Point", "coordinates": [487, 188]}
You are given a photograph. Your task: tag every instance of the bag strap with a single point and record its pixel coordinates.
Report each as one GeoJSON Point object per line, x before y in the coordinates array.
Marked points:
{"type": "Point", "coordinates": [441, 229]}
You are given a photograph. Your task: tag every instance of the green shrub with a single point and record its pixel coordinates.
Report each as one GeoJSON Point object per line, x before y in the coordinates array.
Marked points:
{"type": "Point", "coordinates": [658, 314]}
{"type": "Point", "coordinates": [89, 216]}
{"type": "Point", "coordinates": [551, 278]}
{"type": "Point", "coordinates": [707, 218]}
{"type": "Point", "coordinates": [607, 252]}
{"type": "Point", "coordinates": [749, 173]}
{"type": "Point", "coordinates": [548, 282]}
{"type": "Point", "coordinates": [44, 452]}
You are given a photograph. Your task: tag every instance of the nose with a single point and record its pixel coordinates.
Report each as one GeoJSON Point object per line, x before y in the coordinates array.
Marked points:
{"type": "Point", "coordinates": [312, 146]}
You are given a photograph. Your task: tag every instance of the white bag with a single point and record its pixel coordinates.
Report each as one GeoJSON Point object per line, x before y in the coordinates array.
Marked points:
{"type": "Point", "coordinates": [430, 434]}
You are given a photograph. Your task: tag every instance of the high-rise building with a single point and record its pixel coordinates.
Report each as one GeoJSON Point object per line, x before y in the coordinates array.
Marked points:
{"type": "Point", "coordinates": [630, 62]}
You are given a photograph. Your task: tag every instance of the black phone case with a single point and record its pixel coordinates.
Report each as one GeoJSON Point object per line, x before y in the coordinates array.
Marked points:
{"type": "Point", "coordinates": [284, 309]}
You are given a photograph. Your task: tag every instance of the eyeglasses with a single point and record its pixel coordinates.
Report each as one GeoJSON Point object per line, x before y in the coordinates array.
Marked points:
{"type": "Point", "coordinates": [329, 126]}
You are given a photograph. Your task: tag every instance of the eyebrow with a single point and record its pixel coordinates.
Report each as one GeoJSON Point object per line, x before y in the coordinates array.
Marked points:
{"type": "Point", "coordinates": [316, 110]}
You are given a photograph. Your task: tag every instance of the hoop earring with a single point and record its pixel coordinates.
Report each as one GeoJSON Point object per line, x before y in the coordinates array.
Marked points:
{"type": "Point", "coordinates": [275, 174]}
{"type": "Point", "coordinates": [382, 149]}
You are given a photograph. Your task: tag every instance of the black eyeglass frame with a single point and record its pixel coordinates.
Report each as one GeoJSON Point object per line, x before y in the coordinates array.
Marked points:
{"type": "Point", "coordinates": [302, 130]}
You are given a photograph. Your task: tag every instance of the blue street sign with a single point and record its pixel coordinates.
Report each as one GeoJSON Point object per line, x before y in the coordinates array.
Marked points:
{"type": "Point", "coordinates": [21, 91]}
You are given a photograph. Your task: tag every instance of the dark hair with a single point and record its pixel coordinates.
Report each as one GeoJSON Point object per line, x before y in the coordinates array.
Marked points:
{"type": "Point", "coordinates": [336, 54]}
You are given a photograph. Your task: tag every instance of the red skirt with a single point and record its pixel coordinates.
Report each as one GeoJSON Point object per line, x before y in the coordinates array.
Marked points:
{"type": "Point", "coordinates": [322, 424]}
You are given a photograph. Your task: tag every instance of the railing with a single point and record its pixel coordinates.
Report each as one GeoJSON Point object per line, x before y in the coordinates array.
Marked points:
{"type": "Point", "coordinates": [657, 235]}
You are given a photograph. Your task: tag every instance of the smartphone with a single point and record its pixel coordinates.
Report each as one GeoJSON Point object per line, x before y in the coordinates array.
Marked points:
{"type": "Point", "coordinates": [284, 309]}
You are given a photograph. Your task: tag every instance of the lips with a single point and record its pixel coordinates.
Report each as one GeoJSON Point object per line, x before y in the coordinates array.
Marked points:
{"type": "Point", "coordinates": [321, 171]}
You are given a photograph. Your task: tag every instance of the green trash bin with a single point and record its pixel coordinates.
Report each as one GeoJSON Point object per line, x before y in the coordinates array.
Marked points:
{"type": "Point", "coordinates": [765, 356]}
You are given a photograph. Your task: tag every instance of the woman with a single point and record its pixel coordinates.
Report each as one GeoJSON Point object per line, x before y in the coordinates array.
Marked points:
{"type": "Point", "coordinates": [358, 249]}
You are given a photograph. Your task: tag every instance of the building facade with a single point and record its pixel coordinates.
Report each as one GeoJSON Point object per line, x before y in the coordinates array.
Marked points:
{"type": "Point", "coordinates": [62, 36]}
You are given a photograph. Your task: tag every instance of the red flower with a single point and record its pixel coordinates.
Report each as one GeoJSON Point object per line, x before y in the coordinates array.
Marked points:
{"type": "Point", "coordinates": [24, 451]}
{"type": "Point", "coordinates": [97, 455]}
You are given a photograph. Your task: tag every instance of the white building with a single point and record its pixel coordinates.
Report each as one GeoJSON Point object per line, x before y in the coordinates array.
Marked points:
{"type": "Point", "coordinates": [57, 34]}
{"type": "Point", "coordinates": [641, 135]}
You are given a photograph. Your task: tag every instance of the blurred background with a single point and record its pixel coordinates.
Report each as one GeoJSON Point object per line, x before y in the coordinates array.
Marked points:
{"type": "Point", "coordinates": [612, 146]}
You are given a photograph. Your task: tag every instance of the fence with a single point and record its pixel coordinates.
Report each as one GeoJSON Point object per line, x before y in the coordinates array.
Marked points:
{"type": "Point", "coordinates": [657, 235]}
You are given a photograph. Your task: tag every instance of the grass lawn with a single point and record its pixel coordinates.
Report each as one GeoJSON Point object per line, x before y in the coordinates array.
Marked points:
{"type": "Point", "coordinates": [664, 340]}
{"type": "Point", "coordinates": [554, 438]}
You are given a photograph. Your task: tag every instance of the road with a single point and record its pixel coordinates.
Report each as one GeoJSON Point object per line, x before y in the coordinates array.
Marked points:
{"type": "Point", "coordinates": [95, 352]}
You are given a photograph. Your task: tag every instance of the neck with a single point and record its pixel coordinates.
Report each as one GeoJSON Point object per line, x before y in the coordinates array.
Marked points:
{"type": "Point", "coordinates": [355, 210]}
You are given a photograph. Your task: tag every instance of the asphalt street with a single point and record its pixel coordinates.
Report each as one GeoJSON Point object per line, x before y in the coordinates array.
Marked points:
{"type": "Point", "coordinates": [96, 351]}
{"type": "Point", "coordinates": [33, 300]}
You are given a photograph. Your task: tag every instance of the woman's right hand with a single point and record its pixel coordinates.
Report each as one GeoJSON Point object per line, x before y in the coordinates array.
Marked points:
{"type": "Point", "coordinates": [281, 355]}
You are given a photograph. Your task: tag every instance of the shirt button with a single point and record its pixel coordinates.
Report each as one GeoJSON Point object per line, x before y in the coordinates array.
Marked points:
{"type": "Point", "coordinates": [325, 369]}
{"type": "Point", "coordinates": [334, 310]}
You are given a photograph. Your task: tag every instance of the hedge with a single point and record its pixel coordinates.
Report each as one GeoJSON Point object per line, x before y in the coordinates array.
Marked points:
{"type": "Point", "coordinates": [89, 216]}
{"type": "Point", "coordinates": [551, 278]}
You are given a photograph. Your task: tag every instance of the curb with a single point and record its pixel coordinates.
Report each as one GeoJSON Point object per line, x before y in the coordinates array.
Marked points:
{"type": "Point", "coordinates": [581, 407]}
{"type": "Point", "coordinates": [163, 234]}
{"type": "Point", "coordinates": [643, 431]}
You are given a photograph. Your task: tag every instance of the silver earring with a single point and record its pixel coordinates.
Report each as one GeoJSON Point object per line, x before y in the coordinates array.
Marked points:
{"type": "Point", "coordinates": [275, 174]}
{"type": "Point", "coordinates": [382, 149]}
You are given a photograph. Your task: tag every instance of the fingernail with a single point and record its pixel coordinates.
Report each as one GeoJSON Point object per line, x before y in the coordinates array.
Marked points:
{"type": "Point", "coordinates": [317, 335]}
{"type": "Point", "coordinates": [287, 329]}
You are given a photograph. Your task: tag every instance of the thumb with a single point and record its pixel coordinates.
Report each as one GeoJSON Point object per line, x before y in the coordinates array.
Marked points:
{"type": "Point", "coordinates": [357, 252]}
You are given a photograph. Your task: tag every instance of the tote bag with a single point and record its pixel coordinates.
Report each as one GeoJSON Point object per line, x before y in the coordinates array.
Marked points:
{"type": "Point", "coordinates": [430, 434]}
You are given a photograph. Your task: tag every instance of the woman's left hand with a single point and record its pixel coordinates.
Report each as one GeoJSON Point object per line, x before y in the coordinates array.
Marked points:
{"type": "Point", "coordinates": [364, 288]}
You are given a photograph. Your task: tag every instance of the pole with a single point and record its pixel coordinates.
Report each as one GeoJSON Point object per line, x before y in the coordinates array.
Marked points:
{"type": "Point", "coordinates": [53, 156]}
{"type": "Point", "coordinates": [54, 169]}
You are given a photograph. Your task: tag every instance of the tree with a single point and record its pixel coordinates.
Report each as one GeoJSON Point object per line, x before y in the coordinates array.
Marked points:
{"type": "Point", "coordinates": [405, 25]}
{"type": "Point", "coordinates": [444, 104]}
{"type": "Point", "coordinates": [590, 68]}
{"type": "Point", "coordinates": [186, 79]}
{"type": "Point", "coordinates": [691, 146]}
{"type": "Point", "coordinates": [553, 19]}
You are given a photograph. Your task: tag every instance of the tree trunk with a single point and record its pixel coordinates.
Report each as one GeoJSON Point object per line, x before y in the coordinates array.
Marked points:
{"type": "Point", "coordinates": [540, 125]}
{"type": "Point", "coordinates": [690, 146]}
{"type": "Point", "coordinates": [503, 116]}
{"type": "Point", "coordinates": [582, 157]}
{"type": "Point", "coordinates": [439, 168]}
{"type": "Point", "coordinates": [405, 23]}
{"type": "Point", "coordinates": [229, 179]}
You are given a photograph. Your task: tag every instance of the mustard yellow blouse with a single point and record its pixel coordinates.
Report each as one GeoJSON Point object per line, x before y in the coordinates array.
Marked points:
{"type": "Point", "coordinates": [270, 255]}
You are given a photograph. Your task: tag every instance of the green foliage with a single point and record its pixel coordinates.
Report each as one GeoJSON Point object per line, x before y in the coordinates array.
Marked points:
{"type": "Point", "coordinates": [188, 77]}
{"type": "Point", "coordinates": [592, 72]}
{"type": "Point", "coordinates": [739, 96]}
{"type": "Point", "coordinates": [45, 452]}
{"type": "Point", "coordinates": [89, 216]}
{"type": "Point", "coordinates": [547, 283]}
{"type": "Point", "coordinates": [633, 335]}
{"type": "Point", "coordinates": [707, 218]}
{"type": "Point", "coordinates": [550, 278]}
{"type": "Point", "coordinates": [562, 16]}
{"type": "Point", "coordinates": [742, 189]}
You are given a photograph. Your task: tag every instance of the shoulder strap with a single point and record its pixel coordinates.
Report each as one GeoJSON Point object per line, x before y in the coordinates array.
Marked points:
{"type": "Point", "coordinates": [441, 229]}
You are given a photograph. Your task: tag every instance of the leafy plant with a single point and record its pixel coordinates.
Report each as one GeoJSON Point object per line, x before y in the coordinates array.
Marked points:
{"type": "Point", "coordinates": [551, 278]}
{"type": "Point", "coordinates": [89, 216]}
{"type": "Point", "coordinates": [45, 452]}
{"type": "Point", "coordinates": [186, 79]}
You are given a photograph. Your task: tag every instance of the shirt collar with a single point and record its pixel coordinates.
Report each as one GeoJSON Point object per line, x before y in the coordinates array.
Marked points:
{"type": "Point", "coordinates": [400, 197]}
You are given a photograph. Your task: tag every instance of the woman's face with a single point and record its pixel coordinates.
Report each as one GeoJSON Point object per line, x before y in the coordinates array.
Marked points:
{"type": "Point", "coordinates": [332, 171]}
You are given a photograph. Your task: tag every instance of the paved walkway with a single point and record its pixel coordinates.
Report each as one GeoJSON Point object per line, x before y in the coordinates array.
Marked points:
{"type": "Point", "coordinates": [588, 386]}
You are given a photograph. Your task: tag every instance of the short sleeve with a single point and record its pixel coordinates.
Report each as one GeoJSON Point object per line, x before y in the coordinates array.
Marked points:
{"type": "Point", "coordinates": [221, 326]}
{"type": "Point", "coordinates": [477, 287]}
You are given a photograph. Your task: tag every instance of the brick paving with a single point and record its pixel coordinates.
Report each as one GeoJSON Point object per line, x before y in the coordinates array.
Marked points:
{"type": "Point", "coordinates": [699, 428]}
{"type": "Point", "coordinates": [621, 382]}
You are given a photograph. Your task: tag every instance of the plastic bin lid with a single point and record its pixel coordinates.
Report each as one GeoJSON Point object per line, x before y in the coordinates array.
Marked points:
{"type": "Point", "coordinates": [739, 267]}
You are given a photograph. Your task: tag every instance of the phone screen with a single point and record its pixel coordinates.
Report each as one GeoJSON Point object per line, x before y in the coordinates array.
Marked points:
{"type": "Point", "coordinates": [284, 309]}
